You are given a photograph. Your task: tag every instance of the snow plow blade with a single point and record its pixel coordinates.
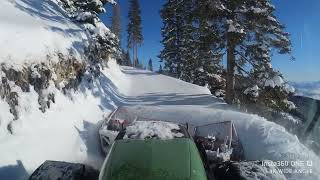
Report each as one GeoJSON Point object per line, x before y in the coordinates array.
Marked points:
{"type": "Point", "coordinates": [53, 170]}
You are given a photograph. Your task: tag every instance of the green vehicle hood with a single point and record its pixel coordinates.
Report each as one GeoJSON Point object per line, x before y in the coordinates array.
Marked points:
{"type": "Point", "coordinates": [175, 159]}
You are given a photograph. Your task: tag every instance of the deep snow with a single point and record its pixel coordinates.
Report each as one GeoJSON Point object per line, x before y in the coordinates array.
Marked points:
{"type": "Point", "coordinates": [68, 131]}
{"type": "Point", "coordinates": [32, 30]}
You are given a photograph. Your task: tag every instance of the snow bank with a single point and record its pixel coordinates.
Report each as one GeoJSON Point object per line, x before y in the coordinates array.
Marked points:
{"type": "Point", "coordinates": [32, 30]}
{"type": "Point", "coordinates": [248, 170]}
{"type": "Point", "coordinates": [66, 132]}
{"type": "Point", "coordinates": [261, 139]}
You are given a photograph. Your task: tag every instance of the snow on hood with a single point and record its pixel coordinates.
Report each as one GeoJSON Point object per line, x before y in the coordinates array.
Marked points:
{"type": "Point", "coordinates": [149, 129]}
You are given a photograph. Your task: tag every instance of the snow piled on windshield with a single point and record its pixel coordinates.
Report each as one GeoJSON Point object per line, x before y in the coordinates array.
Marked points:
{"type": "Point", "coordinates": [152, 129]}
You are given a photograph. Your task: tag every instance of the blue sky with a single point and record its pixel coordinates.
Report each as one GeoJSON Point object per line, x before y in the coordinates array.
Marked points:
{"type": "Point", "coordinates": [301, 18]}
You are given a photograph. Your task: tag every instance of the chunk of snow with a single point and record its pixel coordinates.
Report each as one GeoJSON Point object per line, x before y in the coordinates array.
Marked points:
{"type": "Point", "coordinates": [219, 93]}
{"type": "Point", "coordinates": [290, 104]}
{"type": "Point", "coordinates": [83, 16]}
{"type": "Point", "coordinates": [149, 129]}
{"type": "Point", "coordinates": [269, 83]}
{"type": "Point", "coordinates": [269, 65]}
{"type": "Point", "coordinates": [253, 91]}
{"type": "Point", "coordinates": [234, 27]}
{"type": "Point", "coordinates": [258, 10]}
{"type": "Point", "coordinates": [112, 1]}
{"type": "Point", "coordinates": [289, 89]}
{"type": "Point", "coordinates": [103, 31]}
{"type": "Point", "coordinates": [278, 81]}
{"type": "Point", "coordinates": [272, 19]}
{"type": "Point", "coordinates": [34, 72]}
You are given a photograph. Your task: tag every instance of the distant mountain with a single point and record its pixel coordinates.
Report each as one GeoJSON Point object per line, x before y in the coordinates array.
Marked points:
{"type": "Point", "coordinates": [308, 89]}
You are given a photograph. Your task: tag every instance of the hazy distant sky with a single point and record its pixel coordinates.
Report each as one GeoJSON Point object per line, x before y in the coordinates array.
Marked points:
{"type": "Point", "coordinates": [301, 18]}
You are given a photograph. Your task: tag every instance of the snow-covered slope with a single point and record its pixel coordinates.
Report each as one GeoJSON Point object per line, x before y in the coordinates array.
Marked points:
{"type": "Point", "coordinates": [32, 30]}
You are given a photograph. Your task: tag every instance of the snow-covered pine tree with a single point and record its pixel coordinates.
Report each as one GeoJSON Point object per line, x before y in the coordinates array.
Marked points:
{"type": "Point", "coordinates": [209, 52]}
{"type": "Point", "coordinates": [190, 50]}
{"type": "Point", "coordinates": [134, 29]}
{"type": "Point", "coordinates": [116, 26]}
{"type": "Point", "coordinates": [177, 39]}
{"type": "Point", "coordinates": [85, 10]}
{"type": "Point", "coordinates": [191, 67]}
{"type": "Point", "coordinates": [116, 20]}
{"type": "Point", "coordinates": [249, 29]}
{"type": "Point", "coordinates": [102, 42]}
{"type": "Point", "coordinates": [170, 38]}
{"type": "Point", "coordinates": [150, 65]}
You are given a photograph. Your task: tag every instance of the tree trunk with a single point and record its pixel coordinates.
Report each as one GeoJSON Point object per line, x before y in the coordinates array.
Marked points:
{"type": "Point", "coordinates": [136, 49]}
{"type": "Point", "coordinates": [133, 55]}
{"type": "Point", "coordinates": [231, 64]}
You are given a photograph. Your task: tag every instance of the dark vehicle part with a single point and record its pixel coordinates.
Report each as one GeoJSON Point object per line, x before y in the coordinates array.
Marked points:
{"type": "Point", "coordinates": [54, 170]}
{"type": "Point", "coordinates": [218, 142]}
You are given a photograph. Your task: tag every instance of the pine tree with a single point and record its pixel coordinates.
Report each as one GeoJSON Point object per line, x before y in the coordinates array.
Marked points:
{"type": "Point", "coordinates": [134, 30]}
{"type": "Point", "coordinates": [150, 66]}
{"type": "Point", "coordinates": [177, 39]}
{"type": "Point", "coordinates": [190, 52]}
{"type": "Point", "coordinates": [249, 30]}
{"type": "Point", "coordinates": [209, 70]}
{"type": "Point", "coordinates": [116, 20]}
{"type": "Point", "coordinates": [102, 43]}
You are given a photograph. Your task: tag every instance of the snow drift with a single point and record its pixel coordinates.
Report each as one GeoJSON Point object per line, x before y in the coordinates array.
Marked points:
{"type": "Point", "coordinates": [32, 30]}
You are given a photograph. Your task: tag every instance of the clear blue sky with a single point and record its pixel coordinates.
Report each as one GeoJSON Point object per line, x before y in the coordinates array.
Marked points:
{"type": "Point", "coordinates": [301, 18]}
